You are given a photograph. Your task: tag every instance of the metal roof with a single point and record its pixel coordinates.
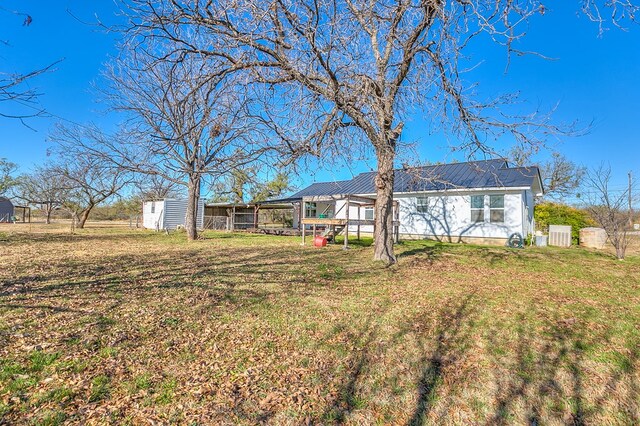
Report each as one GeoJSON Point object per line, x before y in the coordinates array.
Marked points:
{"type": "Point", "coordinates": [494, 173]}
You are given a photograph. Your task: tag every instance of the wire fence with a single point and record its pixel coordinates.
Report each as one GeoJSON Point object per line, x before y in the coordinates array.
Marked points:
{"type": "Point", "coordinates": [218, 223]}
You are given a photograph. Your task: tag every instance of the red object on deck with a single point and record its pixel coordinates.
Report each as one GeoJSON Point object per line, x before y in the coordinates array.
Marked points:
{"type": "Point", "coordinates": [319, 241]}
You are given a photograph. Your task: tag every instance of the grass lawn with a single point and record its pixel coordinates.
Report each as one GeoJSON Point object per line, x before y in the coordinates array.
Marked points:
{"type": "Point", "coordinates": [117, 326]}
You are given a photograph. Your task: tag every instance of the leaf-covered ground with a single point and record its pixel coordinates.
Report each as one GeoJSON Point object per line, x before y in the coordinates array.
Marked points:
{"type": "Point", "coordinates": [117, 326]}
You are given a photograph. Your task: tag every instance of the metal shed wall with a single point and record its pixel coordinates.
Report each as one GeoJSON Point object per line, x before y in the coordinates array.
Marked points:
{"type": "Point", "coordinates": [6, 210]}
{"type": "Point", "coordinates": [175, 212]}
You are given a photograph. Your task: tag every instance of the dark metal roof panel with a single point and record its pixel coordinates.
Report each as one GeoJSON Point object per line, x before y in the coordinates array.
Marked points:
{"type": "Point", "coordinates": [321, 188]}
{"type": "Point", "coordinates": [474, 174]}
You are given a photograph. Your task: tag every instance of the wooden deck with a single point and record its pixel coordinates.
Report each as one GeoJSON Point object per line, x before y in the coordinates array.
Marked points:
{"type": "Point", "coordinates": [320, 221]}
{"type": "Point", "coordinates": [278, 231]}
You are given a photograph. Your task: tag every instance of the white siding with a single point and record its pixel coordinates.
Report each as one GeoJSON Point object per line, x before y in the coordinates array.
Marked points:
{"type": "Point", "coordinates": [528, 204]}
{"type": "Point", "coordinates": [449, 216]}
{"type": "Point", "coordinates": [169, 213]}
{"type": "Point", "coordinates": [353, 215]}
{"type": "Point", "coordinates": [153, 214]}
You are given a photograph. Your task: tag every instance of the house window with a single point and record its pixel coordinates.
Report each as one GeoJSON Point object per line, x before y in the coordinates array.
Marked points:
{"type": "Point", "coordinates": [477, 208]}
{"type": "Point", "coordinates": [496, 208]}
{"type": "Point", "coordinates": [422, 204]}
{"type": "Point", "coordinates": [368, 213]}
{"type": "Point", "coordinates": [153, 207]}
{"type": "Point", "coordinates": [310, 210]}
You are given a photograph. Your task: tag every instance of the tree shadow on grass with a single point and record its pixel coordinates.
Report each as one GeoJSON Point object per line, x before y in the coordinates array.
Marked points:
{"type": "Point", "coordinates": [428, 253]}
{"type": "Point", "coordinates": [185, 268]}
{"type": "Point", "coordinates": [365, 343]}
{"type": "Point", "coordinates": [496, 255]}
{"type": "Point", "coordinates": [44, 239]}
{"type": "Point", "coordinates": [208, 281]}
{"type": "Point", "coordinates": [453, 330]}
{"type": "Point", "coordinates": [547, 376]}
{"type": "Point", "coordinates": [443, 340]}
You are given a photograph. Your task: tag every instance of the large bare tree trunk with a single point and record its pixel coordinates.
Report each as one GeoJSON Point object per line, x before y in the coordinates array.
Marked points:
{"type": "Point", "coordinates": [48, 210]}
{"type": "Point", "coordinates": [191, 220]}
{"type": "Point", "coordinates": [383, 233]}
{"type": "Point", "coordinates": [84, 215]}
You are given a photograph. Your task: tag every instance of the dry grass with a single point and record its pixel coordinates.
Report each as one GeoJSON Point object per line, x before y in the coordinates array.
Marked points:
{"type": "Point", "coordinates": [117, 326]}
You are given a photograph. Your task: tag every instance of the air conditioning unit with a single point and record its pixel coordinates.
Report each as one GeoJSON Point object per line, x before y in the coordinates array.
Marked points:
{"type": "Point", "coordinates": [560, 235]}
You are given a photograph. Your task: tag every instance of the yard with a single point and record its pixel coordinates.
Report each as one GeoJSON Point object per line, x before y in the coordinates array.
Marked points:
{"type": "Point", "coordinates": [111, 325]}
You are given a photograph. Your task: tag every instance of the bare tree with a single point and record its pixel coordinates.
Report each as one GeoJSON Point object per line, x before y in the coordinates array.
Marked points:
{"type": "Point", "coordinates": [561, 177]}
{"type": "Point", "coordinates": [359, 68]}
{"type": "Point", "coordinates": [608, 207]}
{"type": "Point", "coordinates": [250, 184]}
{"type": "Point", "coordinates": [45, 188]}
{"type": "Point", "coordinates": [7, 181]}
{"type": "Point", "coordinates": [155, 187]}
{"type": "Point", "coordinates": [87, 177]}
{"type": "Point", "coordinates": [272, 188]}
{"type": "Point", "coordinates": [187, 123]}
{"type": "Point", "coordinates": [233, 186]}
{"type": "Point", "coordinates": [14, 89]}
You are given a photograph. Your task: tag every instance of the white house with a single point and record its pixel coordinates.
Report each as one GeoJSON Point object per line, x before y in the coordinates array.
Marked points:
{"type": "Point", "coordinates": [168, 214]}
{"type": "Point", "coordinates": [479, 201]}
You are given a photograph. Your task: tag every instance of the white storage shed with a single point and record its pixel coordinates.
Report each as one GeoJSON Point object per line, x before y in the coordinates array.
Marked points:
{"type": "Point", "coordinates": [169, 213]}
{"type": "Point", "coordinates": [6, 210]}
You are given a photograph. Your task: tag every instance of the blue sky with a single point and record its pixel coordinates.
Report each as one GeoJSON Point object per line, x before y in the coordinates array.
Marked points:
{"type": "Point", "coordinates": [592, 79]}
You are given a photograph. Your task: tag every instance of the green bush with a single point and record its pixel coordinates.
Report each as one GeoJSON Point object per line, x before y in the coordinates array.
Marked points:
{"type": "Point", "coordinates": [560, 214]}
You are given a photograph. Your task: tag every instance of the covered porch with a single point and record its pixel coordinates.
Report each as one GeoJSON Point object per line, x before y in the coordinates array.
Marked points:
{"type": "Point", "coordinates": [346, 214]}
{"type": "Point", "coordinates": [253, 216]}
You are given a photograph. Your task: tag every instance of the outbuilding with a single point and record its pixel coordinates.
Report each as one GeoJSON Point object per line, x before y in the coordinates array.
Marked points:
{"type": "Point", "coordinates": [169, 213]}
{"type": "Point", "coordinates": [6, 210]}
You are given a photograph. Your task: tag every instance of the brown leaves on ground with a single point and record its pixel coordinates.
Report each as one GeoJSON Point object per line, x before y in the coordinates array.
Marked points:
{"type": "Point", "coordinates": [117, 326]}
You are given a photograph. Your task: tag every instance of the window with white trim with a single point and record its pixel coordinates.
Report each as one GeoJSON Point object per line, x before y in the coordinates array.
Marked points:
{"type": "Point", "coordinates": [496, 208]}
{"type": "Point", "coordinates": [422, 204]}
{"type": "Point", "coordinates": [477, 208]}
{"type": "Point", "coordinates": [310, 210]}
{"type": "Point", "coordinates": [368, 213]}
{"type": "Point", "coordinates": [153, 207]}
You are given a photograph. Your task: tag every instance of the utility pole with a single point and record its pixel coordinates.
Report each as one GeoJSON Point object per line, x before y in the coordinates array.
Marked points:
{"type": "Point", "coordinates": [630, 206]}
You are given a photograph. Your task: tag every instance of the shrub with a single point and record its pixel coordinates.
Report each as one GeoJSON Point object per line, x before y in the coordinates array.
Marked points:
{"type": "Point", "coordinates": [560, 214]}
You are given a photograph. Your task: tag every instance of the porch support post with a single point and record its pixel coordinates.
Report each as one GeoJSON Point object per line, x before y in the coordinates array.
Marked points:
{"type": "Point", "coordinates": [233, 219]}
{"type": "Point", "coordinates": [359, 208]}
{"type": "Point", "coordinates": [346, 228]}
{"type": "Point", "coordinates": [301, 218]}
{"type": "Point", "coordinates": [396, 221]}
{"type": "Point", "coordinates": [256, 208]}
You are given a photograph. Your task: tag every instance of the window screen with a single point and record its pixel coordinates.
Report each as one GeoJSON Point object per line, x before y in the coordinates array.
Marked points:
{"type": "Point", "coordinates": [422, 204]}
{"type": "Point", "coordinates": [368, 213]}
{"type": "Point", "coordinates": [477, 208]}
{"type": "Point", "coordinates": [496, 205]}
{"type": "Point", "coordinates": [310, 210]}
